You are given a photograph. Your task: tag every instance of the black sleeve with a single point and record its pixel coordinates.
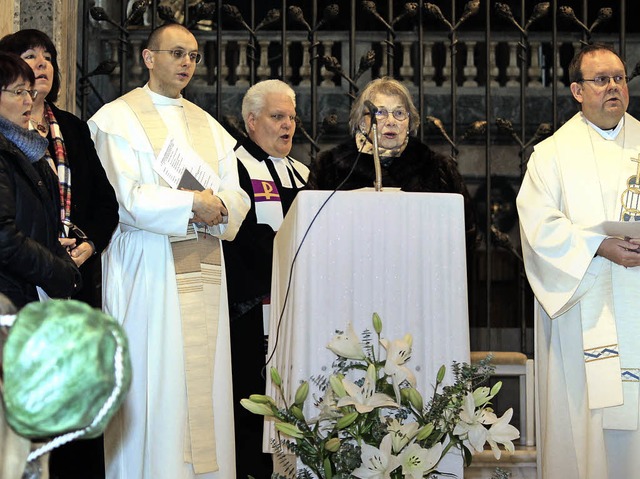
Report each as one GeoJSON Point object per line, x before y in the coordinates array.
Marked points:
{"type": "Point", "coordinates": [26, 258]}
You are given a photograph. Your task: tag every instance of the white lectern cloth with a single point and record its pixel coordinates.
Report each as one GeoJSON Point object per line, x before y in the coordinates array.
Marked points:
{"type": "Point", "coordinates": [399, 254]}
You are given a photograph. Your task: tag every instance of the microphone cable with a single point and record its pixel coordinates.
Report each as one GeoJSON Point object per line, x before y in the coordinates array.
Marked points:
{"type": "Point", "coordinates": [295, 256]}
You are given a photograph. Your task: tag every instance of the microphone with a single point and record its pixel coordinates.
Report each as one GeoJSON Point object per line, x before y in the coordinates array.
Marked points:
{"type": "Point", "coordinates": [377, 184]}
{"type": "Point", "coordinates": [372, 111]}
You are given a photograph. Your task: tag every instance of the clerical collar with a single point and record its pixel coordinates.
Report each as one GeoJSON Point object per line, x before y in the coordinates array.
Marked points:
{"type": "Point", "coordinates": [159, 99]}
{"type": "Point", "coordinates": [254, 150]}
{"type": "Point", "coordinates": [607, 134]}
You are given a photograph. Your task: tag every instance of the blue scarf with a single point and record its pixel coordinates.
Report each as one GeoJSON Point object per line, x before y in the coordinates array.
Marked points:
{"type": "Point", "coordinates": [28, 141]}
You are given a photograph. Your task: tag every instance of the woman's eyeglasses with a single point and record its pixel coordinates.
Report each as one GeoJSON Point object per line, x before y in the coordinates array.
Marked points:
{"type": "Point", "coordinates": [75, 232]}
{"type": "Point", "coordinates": [399, 114]}
{"type": "Point", "coordinates": [23, 92]}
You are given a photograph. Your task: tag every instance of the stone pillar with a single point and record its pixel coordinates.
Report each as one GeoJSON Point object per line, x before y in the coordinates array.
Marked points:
{"type": "Point", "coordinates": [59, 20]}
{"type": "Point", "coordinates": [10, 18]}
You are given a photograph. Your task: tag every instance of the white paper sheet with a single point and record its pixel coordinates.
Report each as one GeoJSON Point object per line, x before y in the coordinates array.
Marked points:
{"type": "Point", "coordinates": [181, 167]}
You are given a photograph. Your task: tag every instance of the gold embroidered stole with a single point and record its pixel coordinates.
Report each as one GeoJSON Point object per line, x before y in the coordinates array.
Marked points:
{"type": "Point", "coordinates": [198, 266]}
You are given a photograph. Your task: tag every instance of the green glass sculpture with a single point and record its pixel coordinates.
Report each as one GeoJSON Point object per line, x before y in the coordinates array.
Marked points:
{"type": "Point", "coordinates": [66, 368]}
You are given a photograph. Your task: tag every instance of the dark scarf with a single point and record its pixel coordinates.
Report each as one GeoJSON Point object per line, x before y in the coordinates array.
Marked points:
{"type": "Point", "coordinates": [28, 141]}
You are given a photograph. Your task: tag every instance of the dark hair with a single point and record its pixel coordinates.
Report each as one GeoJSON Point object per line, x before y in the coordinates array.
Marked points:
{"type": "Point", "coordinates": [575, 67]}
{"type": "Point", "coordinates": [23, 40]}
{"type": "Point", "coordinates": [153, 42]}
{"type": "Point", "coordinates": [13, 68]}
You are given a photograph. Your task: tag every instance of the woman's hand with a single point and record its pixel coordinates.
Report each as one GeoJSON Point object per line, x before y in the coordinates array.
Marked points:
{"type": "Point", "coordinates": [81, 253]}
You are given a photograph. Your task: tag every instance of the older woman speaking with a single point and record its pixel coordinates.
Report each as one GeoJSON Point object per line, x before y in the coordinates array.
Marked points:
{"type": "Point", "coordinates": [406, 162]}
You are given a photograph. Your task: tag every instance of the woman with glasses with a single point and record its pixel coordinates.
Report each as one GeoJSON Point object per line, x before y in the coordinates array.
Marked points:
{"type": "Point", "coordinates": [32, 260]}
{"type": "Point", "coordinates": [406, 162]}
{"type": "Point", "coordinates": [86, 204]}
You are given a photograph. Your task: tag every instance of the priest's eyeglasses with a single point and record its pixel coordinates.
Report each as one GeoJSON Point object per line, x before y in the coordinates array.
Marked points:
{"type": "Point", "coordinates": [179, 54]}
{"type": "Point", "coordinates": [399, 114]}
{"type": "Point", "coordinates": [23, 92]}
{"type": "Point", "coordinates": [603, 80]}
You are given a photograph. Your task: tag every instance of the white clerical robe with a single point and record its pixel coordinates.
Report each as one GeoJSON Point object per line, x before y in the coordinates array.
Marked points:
{"type": "Point", "coordinates": [146, 440]}
{"type": "Point", "coordinates": [587, 428]}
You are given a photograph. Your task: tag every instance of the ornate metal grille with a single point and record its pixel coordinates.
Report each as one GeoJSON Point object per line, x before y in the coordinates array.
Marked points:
{"type": "Point", "coordinates": [489, 79]}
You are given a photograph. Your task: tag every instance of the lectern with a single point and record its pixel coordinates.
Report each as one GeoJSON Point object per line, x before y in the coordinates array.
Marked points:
{"type": "Point", "coordinates": [399, 254]}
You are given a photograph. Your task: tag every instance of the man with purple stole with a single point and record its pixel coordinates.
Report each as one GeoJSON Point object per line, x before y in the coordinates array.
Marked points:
{"type": "Point", "coordinates": [271, 179]}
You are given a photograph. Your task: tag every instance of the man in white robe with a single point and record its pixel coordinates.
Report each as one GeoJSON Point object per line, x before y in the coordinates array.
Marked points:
{"type": "Point", "coordinates": [177, 420]}
{"type": "Point", "coordinates": [584, 276]}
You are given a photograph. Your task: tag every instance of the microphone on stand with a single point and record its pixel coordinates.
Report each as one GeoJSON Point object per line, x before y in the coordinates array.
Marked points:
{"type": "Point", "coordinates": [377, 184]}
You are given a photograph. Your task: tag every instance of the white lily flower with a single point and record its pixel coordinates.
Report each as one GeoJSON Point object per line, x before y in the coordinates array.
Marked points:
{"type": "Point", "coordinates": [377, 463]}
{"type": "Point", "coordinates": [328, 407]}
{"type": "Point", "coordinates": [471, 426]}
{"type": "Point", "coordinates": [417, 461]}
{"type": "Point", "coordinates": [347, 345]}
{"type": "Point", "coordinates": [398, 352]}
{"type": "Point", "coordinates": [401, 434]}
{"type": "Point", "coordinates": [365, 399]}
{"type": "Point", "coordinates": [503, 433]}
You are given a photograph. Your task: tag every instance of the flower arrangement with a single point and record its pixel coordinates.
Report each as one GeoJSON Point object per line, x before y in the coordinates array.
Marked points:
{"type": "Point", "coordinates": [374, 423]}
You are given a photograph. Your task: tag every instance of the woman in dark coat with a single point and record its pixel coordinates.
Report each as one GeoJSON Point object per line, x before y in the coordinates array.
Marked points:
{"type": "Point", "coordinates": [87, 207]}
{"type": "Point", "coordinates": [31, 256]}
{"type": "Point", "coordinates": [406, 162]}
{"type": "Point", "coordinates": [87, 199]}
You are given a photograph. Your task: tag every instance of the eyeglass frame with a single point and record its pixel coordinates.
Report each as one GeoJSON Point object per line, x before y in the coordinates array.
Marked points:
{"type": "Point", "coordinates": [75, 232]}
{"type": "Point", "coordinates": [33, 93]}
{"type": "Point", "coordinates": [383, 114]}
{"type": "Point", "coordinates": [183, 53]}
{"type": "Point", "coordinates": [617, 79]}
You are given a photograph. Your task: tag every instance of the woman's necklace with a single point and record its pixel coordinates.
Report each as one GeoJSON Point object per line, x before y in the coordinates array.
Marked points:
{"type": "Point", "coordinates": [42, 127]}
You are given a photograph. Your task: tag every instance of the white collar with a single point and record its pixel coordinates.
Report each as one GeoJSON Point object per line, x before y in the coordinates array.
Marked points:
{"type": "Point", "coordinates": [607, 134]}
{"type": "Point", "coordinates": [159, 99]}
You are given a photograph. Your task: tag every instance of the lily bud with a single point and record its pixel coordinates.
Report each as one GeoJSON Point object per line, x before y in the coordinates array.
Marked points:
{"type": "Point", "coordinates": [377, 323]}
{"type": "Point", "coordinates": [297, 413]}
{"type": "Point", "coordinates": [441, 373]}
{"type": "Point", "coordinates": [496, 388]}
{"type": "Point", "coordinates": [256, 408]}
{"type": "Point", "coordinates": [425, 432]}
{"type": "Point", "coordinates": [332, 445]}
{"type": "Point", "coordinates": [336, 384]}
{"type": "Point", "coordinates": [261, 399]}
{"type": "Point", "coordinates": [302, 393]}
{"type": "Point", "coordinates": [346, 420]}
{"type": "Point", "coordinates": [289, 429]}
{"type": "Point", "coordinates": [275, 377]}
{"type": "Point", "coordinates": [415, 398]}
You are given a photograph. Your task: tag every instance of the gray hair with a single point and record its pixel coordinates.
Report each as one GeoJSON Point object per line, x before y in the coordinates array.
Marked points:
{"type": "Point", "coordinates": [254, 99]}
{"type": "Point", "coordinates": [386, 86]}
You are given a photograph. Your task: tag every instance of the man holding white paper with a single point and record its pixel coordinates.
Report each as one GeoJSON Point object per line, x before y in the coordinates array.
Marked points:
{"type": "Point", "coordinates": [164, 276]}
{"type": "Point", "coordinates": [585, 281]}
